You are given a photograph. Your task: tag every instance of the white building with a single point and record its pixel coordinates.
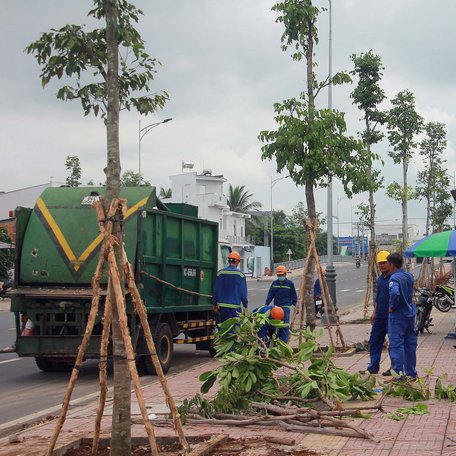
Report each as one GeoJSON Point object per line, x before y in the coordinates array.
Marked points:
{"type": "Point", "coordinates": [25, 197]}
{"type": "Point", "coordinates": [205, 191]}
{"type": "Point", "coordinates": [388, 233]}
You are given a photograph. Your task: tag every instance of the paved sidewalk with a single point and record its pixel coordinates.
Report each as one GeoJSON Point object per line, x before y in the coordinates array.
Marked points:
{"type": "Point", "coordinates": [431, 434]}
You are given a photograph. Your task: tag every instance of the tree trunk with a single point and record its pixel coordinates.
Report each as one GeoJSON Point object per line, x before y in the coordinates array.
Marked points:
{"type": "Point", "coordinates": [428, 213]}
{"type": "Point", "coordinates": [310, 199]}
{"type": "Point", "coordinates": [308, 292]}
{"type": "Point", "coordinates": [121, 433]}
{"type": "Point", "coordinates": [404, 208]}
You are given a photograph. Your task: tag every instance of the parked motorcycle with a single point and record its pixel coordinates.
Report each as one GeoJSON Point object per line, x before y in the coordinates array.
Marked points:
{"type": "Point", "coordinates": [319, 306]}
{"type": "Point", "coordinates": [445, 297]}
{"type": "Point", "coordinates": [424, 306]}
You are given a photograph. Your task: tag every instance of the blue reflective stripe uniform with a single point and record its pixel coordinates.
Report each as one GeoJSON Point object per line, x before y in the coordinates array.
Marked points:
{"type": "Point", "coordinates": [230, 292]}
{"type": "Point", "coordinates": [317, 289]}
{"type": "Point", "coordinates": [284, 295]}
{"type": "Point", "coordinates": [401, 323]}
{"type": "Point", "coordinates": [380, 323]}
{"type": "Point", "coordinates": [265, 332]}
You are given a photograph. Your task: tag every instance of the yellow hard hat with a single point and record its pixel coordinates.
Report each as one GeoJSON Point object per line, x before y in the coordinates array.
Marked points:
{"type": "Point", "coordinates": [382, 256]}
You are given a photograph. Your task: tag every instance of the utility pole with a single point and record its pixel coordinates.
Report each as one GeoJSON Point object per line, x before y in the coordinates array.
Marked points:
{"type": "Point", "coordinates": [330, 269]}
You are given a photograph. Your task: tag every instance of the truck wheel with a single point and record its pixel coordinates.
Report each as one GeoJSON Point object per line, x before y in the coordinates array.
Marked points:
{"type": "Point", "coordinates": [163, 339]}
{"type": "Point", "coordinates": [45, 364]}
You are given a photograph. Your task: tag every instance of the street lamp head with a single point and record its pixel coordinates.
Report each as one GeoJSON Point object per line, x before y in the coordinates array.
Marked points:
{"type": "Point", "coordinates": [167, 120]}
{"type": "Point", "coordinates": [453, 194]}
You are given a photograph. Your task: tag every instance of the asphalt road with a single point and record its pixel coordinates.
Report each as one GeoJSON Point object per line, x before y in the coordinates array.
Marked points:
{"type": "Point", "coordinates": [25, 390]}
{"type": "Point", "coordinates": [350, 286]}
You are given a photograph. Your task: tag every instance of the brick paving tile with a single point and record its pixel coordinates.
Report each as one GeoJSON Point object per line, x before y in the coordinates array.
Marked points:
{"type": "Point", "coordinates": [414, 452]}
{"type": "Point", "coordinates": [359, 444]}
{"type": "Point", "coordinates": [363, 452]}
{"type": "Point", "coordinates": [418, 445]}
{"type": "Point", "coordinates": [431, 434]}
{"type": "Point", "coordinates": [448, 452]}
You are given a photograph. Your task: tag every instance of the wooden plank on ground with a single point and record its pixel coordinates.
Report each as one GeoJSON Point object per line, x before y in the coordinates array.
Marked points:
{"type": "Point", "coordinates": [204, 448]}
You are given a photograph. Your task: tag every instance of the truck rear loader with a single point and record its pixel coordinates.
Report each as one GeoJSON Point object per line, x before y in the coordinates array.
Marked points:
{"type": "Point", "coordinates": [57, 248]}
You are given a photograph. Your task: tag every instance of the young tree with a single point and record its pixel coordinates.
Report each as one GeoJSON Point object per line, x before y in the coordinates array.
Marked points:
{"type": "Point", "coordinates": [132, 179]}
{"type": "Point", "coordinates": [404, 123]}
{"type": "Point", "coordinates": [240, 200]}
{"type": "Point", "coordinates": [368, 95]}
{"type": "Point", "coordinates": [165, 193]}
{"type": "Point", "coordinates": [75, 53]}
{"type": "Point", "coordinates": [74, 168]}
{"type": "Point", "coordinates": [310, 143]}
{"type": "Point", "coordinates": [433, 179]}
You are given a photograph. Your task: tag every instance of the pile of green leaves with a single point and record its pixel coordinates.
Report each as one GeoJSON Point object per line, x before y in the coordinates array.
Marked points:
{"type": "Point", "coordinates": [401, 412]}
{"type": "Point", "coordinates": [412, 389]}
{"type": "Point", "coordinates": [249, 368]}
{"type": "Point", "coordinates": [444, 391]}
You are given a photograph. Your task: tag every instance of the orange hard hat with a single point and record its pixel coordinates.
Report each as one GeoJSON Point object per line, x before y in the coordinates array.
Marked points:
{"type": "Point", "coordinates": [234, 256]}
{"type": "Point", "coordinates": [281, 270]}
{"type": "Point", "coordinates": [277, 313]}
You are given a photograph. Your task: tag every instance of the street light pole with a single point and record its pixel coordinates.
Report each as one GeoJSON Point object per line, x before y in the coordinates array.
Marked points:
{"type": "Point", "coordinates": [339, 199]}
{"type": "Point", "coordinates": [273, 182]}
{"type": "Point", "coordinates": [141, 133]}
{"type": "Point", "coordinates": [330, 270]}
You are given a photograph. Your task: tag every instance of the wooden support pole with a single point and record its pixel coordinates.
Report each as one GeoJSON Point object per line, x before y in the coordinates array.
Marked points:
{"type": "Point", "coordinates": [80, 357]}
{"type": "Point", "coordinates": [142, 313]}
{"type": "Point", "coordinates": [300, 305]}
{"type": "Point", "coordinates": [326, 296]}
{"type": "Point", "coordinates": [123, 324]}
{"type": "Point", "coordinates": [106, 231]}
{"type": "Point", "coordinates": [103, 371]}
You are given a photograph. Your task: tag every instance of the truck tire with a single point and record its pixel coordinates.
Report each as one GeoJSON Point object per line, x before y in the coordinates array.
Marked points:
{"type": "Point", "coordinates": [206, 345]}
{"type": "Point", "coordinates": [44, 364]}
{"type": "Point", "coordinates": [163, 339]}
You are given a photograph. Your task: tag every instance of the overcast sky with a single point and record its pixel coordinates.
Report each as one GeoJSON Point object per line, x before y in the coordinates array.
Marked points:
{"type": "Point", "coordinates": [223, 69]}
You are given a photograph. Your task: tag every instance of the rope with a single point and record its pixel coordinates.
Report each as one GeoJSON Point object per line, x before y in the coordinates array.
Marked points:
{"type": "Point", "coordinates": [174, 286]}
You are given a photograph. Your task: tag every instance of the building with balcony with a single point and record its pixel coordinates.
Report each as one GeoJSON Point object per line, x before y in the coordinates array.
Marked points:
{"type": "Point", "coordinates": [205, 191]}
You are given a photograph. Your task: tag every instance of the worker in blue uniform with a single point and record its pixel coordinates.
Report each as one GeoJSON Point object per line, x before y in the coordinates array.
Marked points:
{"type": "Point", "coordinates": [379, 317]}
{"type": "Point", "coordinates": [267, 330]}
{"type": "Point", "coordinates": [401, 321]}
{"type": "Point", "coordinates": [230, 291]}
{"type": "Point", "coordinates": [283, 292]}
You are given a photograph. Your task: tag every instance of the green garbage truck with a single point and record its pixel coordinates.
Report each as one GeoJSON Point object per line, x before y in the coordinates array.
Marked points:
{"type": "Point", "coordinates": [57, 248]}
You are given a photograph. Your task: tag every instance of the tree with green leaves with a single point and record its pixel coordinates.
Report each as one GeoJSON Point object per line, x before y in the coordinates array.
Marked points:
{"type": "Point", "coordinates": [368, 95]}
{"type": "Point", "coordinates": [73, 166]}
{"type": "Point", "coordinates": [165, 193]}
{"type": "Point", "coordinates": [240, 200]}
{"type": "Point", "coordinates": [403, 123]}
{"type": "Point", "coordinates": [310, 143]}
{"type": "Point", "coordinates": [112, 71]}
{"type": "Point", "coordinates": [133, 179]}
{"type": "Point", "coordinates": [433, 183]}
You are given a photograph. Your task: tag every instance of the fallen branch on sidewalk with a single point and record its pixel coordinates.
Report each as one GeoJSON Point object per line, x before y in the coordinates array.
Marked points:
{"type": "Point", "coordinates": [289, 418]}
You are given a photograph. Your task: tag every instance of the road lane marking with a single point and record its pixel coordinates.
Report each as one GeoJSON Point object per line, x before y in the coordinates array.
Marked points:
{"type": "Point", "coordinates": [344, 291]}
{"type": "Point", "coordinates": [359, 291]}
{"type": "Point", "coordinates": [10, 360]}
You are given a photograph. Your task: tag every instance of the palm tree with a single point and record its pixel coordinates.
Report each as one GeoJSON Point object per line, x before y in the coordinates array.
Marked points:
{"type": "Point", "coordinates": [239, 200]}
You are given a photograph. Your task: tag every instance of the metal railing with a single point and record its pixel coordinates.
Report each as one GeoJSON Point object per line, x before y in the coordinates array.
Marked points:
{"type": "Point", "coordinates": [297, 264]}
